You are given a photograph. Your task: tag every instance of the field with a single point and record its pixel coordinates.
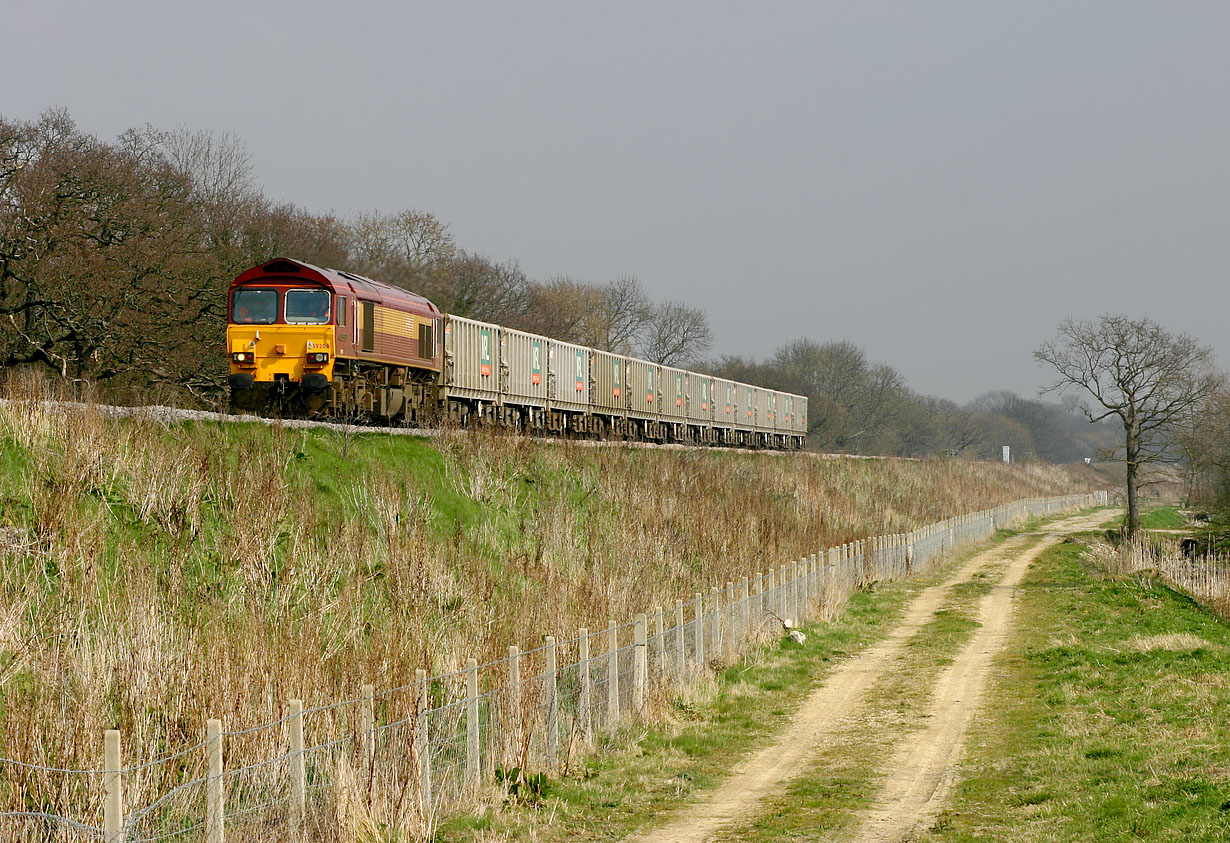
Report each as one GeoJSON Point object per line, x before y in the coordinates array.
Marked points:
{"type": "Point", "coordinates": [156, 575]}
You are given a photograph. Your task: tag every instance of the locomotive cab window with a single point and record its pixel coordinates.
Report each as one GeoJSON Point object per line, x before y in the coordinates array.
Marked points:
{"type": "Point", "coordinates": [307, 307]}
{"type": "Point", "coordinates": [341, 311]}
{"type": "Point", "coordinates": [254, 306]}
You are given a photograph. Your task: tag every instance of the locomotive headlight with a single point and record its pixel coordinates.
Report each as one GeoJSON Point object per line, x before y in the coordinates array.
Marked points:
{"type": "Point", "coordinates": [318, 358]}
{"type": "Point", "coordinates": [243, 358]}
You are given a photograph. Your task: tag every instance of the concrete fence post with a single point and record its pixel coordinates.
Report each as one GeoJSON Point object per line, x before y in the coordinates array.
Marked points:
{"type": "Point", "coordinates": [715, 623]}
{"type": "Point", "coordinates": [472, 746]}
{"type": "Point", "coordinates": [422, 743]}
{"type": "Point", "coordinates": [113, 788]}
{"type": "Point", "coordinates": [771, 593]}
{"type": "Point", "coordinates": [639, 666]}
{"type": "Point", "coordinates": [584, 723]}
{"type": "Point", "coordinates": [215, 831]}
{"type": "Point", "coordinates": [298, 768]}
{"type": "Point", "coordinates": [367, 725]}
{"type": "Point", "coordinates": [552, 702]}
{"type": "Point", "coordinates": [612, 676]}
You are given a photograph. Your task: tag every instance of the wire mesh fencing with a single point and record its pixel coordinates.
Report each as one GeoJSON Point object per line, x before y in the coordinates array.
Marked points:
{"type": "Point", "coordinates": [404, 757]}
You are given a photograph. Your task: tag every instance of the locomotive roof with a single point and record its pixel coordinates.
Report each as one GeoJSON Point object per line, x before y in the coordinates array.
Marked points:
{"type": "Point", "coordinates": [361, 287]}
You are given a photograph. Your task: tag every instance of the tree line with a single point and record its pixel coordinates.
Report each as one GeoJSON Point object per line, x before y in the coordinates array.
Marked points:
{"type": "Point", "coordinates": [115, 258]}
{"type": "Point", "coordinates": [858, 406]}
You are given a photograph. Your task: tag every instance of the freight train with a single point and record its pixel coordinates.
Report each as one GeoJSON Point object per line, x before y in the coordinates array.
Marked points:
{"type": "Point", "coordinates": [324, 342]}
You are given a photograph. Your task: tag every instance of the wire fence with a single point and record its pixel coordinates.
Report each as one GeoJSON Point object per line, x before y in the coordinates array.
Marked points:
{"type": "Point", "coordinates": [406, 756]}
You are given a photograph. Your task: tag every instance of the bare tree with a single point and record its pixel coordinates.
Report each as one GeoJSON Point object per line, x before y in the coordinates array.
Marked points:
{"type": "Point", "coordinates": [1138, 371]}
{"type": "Point", "coordinates": [564, 308]}
{"type": "Point", "coordinates": [623, 315]}
{"type": "Point", "coordinates": [676, 334]}
{"type": "Point", "coordinates": [477, 287]}
{"type": "Point", "coordinates": [1206, 447]}
{"type": "Point", "coordinates": [218, 166]}
{"type": "Point", "coordinates": [401, 248]}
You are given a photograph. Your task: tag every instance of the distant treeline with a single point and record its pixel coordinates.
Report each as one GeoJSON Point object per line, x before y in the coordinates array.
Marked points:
{"type": "Point", "coordinates": [115, 259]}
{"type": "Point", "coordinates": [861, 407]}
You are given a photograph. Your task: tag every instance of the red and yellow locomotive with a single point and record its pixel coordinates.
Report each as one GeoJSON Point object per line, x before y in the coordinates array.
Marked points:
{"type": "Point", "coordinates": [305, 340]}
{"type": "Point", "coordinates": [302, 336]}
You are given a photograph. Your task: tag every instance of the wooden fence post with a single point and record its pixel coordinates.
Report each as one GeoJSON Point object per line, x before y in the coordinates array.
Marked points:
{"type": "Point", "coordinates": [758, 615]}
{"type": "Point", "coordinates": [639, 665]}
{"type": "Point", "coordinates": [730, 646]}
{"type": "Point", "coordinates": [681, 646]}
{"type": "Point", "coordinates": [422, 741]}
{"type": "Point", "coordinates": [698, 628]}
{"type": "Point", "coordinates": [113, 788]}
{"type": "Point", "coordinates": [796, 592]}
{"type": "Point", "coordinates": [367, 724]}
{"type": "Point", "coordinates": [659, 646]}
{"type": "Point", "coordinates": [552, 706]}
{"type": "Point", "coordinates": [612, 676]}
{"type": "Point", "coordinates": [745, 614]}
{"type": "Point", "coordinates": [514, 705]}
{"type": "Point", "coordinates": [215, 831]}
{"type": "Point", "coordinates": [583, 709]}
{"type": "Point", "coordinates": [298, 768]}
{"type": "Point", "coordinates": [472, 745]}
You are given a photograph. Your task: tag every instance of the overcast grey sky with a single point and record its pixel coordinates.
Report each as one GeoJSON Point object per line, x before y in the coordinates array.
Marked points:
{"type": "Point", "coordinates": [939, 182]}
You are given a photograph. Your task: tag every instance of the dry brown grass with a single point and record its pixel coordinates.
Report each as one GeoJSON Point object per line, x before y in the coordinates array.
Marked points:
{"type": "Point", "coordinates": [155, 576]}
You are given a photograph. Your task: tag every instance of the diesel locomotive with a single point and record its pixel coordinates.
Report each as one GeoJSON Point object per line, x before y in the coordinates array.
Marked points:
{"type": "Point", "coordinates": [324, 342]}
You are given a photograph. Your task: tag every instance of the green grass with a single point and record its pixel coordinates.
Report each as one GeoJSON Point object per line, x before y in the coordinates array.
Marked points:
{"type": "Point", "coordinates": [1163, 518]}
{"type": "Point", "coordinates": [644, 772]}
{"type": "Point", "coordinates": [631, 784]}
{"type": "Point", "coordinates": [847, 774]}
{"type": "Point", "coordinates": [1108, 721]}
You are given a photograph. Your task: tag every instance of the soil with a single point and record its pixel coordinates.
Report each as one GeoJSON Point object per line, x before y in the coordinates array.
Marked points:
{"type": "Point", "coordinates": [923, 769]}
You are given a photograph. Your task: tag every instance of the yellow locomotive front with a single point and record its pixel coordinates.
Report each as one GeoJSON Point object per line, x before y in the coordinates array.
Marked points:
{"type": "Point", "coordinates": [281, 341]}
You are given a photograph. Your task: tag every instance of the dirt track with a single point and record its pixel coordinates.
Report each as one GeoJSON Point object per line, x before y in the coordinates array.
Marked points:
{"type": "Point", "coordinates": [921, 770]}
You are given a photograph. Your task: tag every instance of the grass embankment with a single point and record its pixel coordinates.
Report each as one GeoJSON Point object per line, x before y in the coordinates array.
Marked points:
{"type": "Point", "coordinates": [155, 575]}
{"type": "Point", "coordinates": [639, 774]}
{"type": "Point", "coordinates": [1163, 518]}
{"type": "Point", "coordinates": [638, 777]}
{"type": "Point", "coordinates": [1108, 720]}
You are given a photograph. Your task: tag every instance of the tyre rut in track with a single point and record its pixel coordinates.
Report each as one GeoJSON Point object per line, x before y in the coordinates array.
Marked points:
{"type": "Point", "coordinates": [924, 759]}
